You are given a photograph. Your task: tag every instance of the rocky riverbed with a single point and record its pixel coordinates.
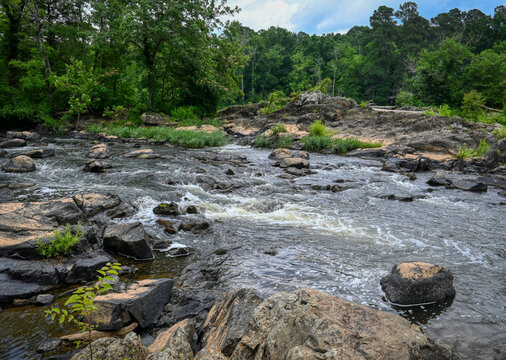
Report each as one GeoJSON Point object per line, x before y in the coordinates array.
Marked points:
{"type": "Point", "coordinates": [233, 219]}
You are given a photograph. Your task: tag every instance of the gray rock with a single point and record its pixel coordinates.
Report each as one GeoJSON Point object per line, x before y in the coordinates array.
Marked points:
{"type": "Point", "coordinates": [19, 164]}
{"type": "Point", "coordinates": [12, 143]}
{"type": "Point", "coordinates": [468, 185]}
{"type": "Point", "coordinates": [143, 303]}
{"type": "Point", "coordinates": [44, 299]}
{"type": "Point", "coordinates": [310, 98]}
{"type": "Point", "coordinates": [97, 166]}
{"type": "Point", "coordinates": [154, 119]}
{"type": "Point", "coordinates": [16, 289]}
{"type": "Point", "coordinates": [94, 203]}
{"type": "Point", "coordinates": [108, 348]}
{"type": "Point", "coordinates": [416, 282]}
{"type": "Point", "coordinates": [26, 135]}
{"type": "Point", "coordinates": [128, 239]}
{"type": "Point", "coordinates": [39, 153]}
{"type": "Point", "coordinates": [295, 162]}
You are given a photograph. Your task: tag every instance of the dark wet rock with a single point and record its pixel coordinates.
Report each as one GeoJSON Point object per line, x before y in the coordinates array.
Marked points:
{"type": "Point", "coordinates": [38, 272]}
{"type": "Point", "coordinates": [16, 289]}
{"type": "Point", "coordinates": [97, 166]}
{"type": "Point", "coordinates": [167, 209]}
{"type": "Point", "coordinates": [128, 239]}
{"type": "Point", "coordinates": [179, 251]}
{"type": "Point", "coordinates": [26, 135]}
{"type": "Point", "coordinates": [298, 172]}
{"type": "Point", "coordinates": [294, 162]}
{"type": "Point", "coordinates": [416, 282]}
{"type": "Point", "coordinates": [12, 143]}
{"type": "Point", "coordinates": [230, 172]}
{"type": "Point", "coordinates": [368, 153]}
{"type": "Point", "coordinates": [194, 226]}
{"type": "Point", "coordinates": [497, 153]}
{"type": "Point", "coordinates": [191, 209]}
{"type": "Point", "coordinates": [19, 164]}
{"type": "Point", "coordinates": [469, 185]}
{"type": "Point", "coordinates": [83, 267]}
{"type": "Point", "coordinates": [502, 193]}
{"type": "Point", "coordinates": [210, 183]}
{"type": "Point", "coordinates": [130, 347]}
{"type": "Point", "coordinates": [407, 164]}
{"type": "Point", "coordinates": [4, 153]}
{"type": "Point", "coordinates": [143, 154]}
{"type": "Point", "coordinates": [174, 343]}
{"type": "Point", "coordinates": [281, 325]}
{"type": "Point", "coordinates": [408, 198]}
{"type": "Point", "coordinates": [411, 176]}
{"type": "Point", "coordinates": [154, 119]}
{"type": "Point", "coordinates": [271, 252]}
{"type": "Point", "coordinates": [99, 151]}
{"type": "Point", "coordinates": [220, 251]}
{"type": "Point", "coordinates": [439, 179]}
{"type": "Point", "coordinates": [49, 345]}
{"type": "Point", "coordinates": [22, 223]}
{"type": "Point", "coordinates": [44, 299]}
{"type": "Point", "coordinates": [168, 226]}
{"type": "Point", "coordinates": [142, 303]}
{"type": "Point", "coordinates": [39, 153]}
{"type": "Point", "coordinates": [94, 203]}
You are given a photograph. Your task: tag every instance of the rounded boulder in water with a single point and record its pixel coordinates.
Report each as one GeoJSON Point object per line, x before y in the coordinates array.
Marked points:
{"type": "Point", "coordinates": [412, 283]}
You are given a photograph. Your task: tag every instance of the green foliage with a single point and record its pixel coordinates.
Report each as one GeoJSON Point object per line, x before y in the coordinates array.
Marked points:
{"type": "Point", "coordinates": [430, 112]}
{"type": "Point", "coordinates": [275, 102]}
{"type": "Point", "coordinates": [80, 83]}
{"type": "Point", "coordinates": [274, 141]}
{"type": "Point", "coordinates": [319, 129]}
{"type": "Point", "coordinates": [284, 141]}
{"type": "Point", "coordinates": [186, 116]}
{"type": "Point", "coordinates": [444, 110]}
{"type": "Point", "coordinates": [466, 152]}
{"type": "Point", "coordinates": [116, 112]}
{"type": "Point", "coordinates": [472, 105]}
{"type": "Point", "coordinates": [364, 103]}
{"type": "Point", "coordinates": [80, 306]}
{"type": "Point", "coordinates": [406, 98]}
{"type": "Point", "coordinates": [278, 128]}
{"type": "Point", "coordinates": [322, 86]}
{"type": "Point", "coordinates": [183, 138]}
{"type": "Point", "coordinates": [317, 142]}
{"type": "Point", "coordinates": [61, 244]}
{"type": "Point", "coordinates": [500, 133]}
{"type": "Point", "coordinates": [54, 125]}
{"type": "Point", "coordinates": [262, 141]}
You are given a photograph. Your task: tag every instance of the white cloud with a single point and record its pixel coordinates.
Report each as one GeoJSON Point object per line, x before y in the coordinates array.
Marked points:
{"type": "Point", "coordinates": [261, 14]}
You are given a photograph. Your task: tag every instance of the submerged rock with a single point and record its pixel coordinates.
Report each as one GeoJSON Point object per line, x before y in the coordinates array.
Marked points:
{"type": "Point", "coordinates": [129, 239]}
{"type": "Point", "coordinates": [142, 303]}
{"type": "Point", "coordinates": [194, 226]}
{"type": "Point", "coordinates": [19, 164]}
{"type": "Point", "coordinates": [416, 283]}
{"type": "Point", "coordinates": [168, 226]}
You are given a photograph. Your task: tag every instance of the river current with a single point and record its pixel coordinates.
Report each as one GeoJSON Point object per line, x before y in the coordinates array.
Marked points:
{"type": "Point", "coordinates": [285, 233]}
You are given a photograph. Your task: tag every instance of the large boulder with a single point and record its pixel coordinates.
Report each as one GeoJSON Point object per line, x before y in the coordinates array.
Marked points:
{"type": "Point", "coordinates": [16, 289]}
{"type": "Point", "coordinates": [310, 324]}
{"type": "Point", "coordinates": [19, 164]}
{"type": "Point", "coordinates": [130, 347]}
{"type": "Point", "coordinates": [310, 98]}
{"type": "Point", "coordinates": [12, 143]}
{"type": "Point", "coordinates": [143, 302]}
{"type": "Point", "coordinates": [153, 119]}
{"type": "Point", "coordinates": [413, 283]}
{"type": "Point", "coordinates": [129, 239]}
{"type": "Point", "coordinates": [294, 162]}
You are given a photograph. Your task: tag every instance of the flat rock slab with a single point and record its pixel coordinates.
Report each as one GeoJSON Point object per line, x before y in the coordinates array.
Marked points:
{"type": "Point", "coordinates": [128, 239]}
{"type": "Point", "coordinates": [143, 302]}
{"type": "Point", "coordinates": [92, 204]}
{"type": "Point", "coordinates": [12, 143]}
{"type": "Point", "coordinates": [414, 283]}
{"type": "Point", "coordinates": [16, 289]}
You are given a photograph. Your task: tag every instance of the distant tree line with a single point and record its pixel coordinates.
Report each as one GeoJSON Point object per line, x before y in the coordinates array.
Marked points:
{"type": "Point", "coordinates": [64, 58]}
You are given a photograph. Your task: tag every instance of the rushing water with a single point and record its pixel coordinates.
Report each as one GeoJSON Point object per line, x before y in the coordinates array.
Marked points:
{"type": "Point", "coordinates": [283, 234]}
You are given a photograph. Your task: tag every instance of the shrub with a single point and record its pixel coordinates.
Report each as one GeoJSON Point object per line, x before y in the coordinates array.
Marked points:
{"type": "Point", "coordinates": [444, 110]}
{"type": "Point", "coordinates": [364, 103]}
{"type": "Point", "coordinates": [430, 112]}
{"type": "Point", "coordinates": [278, 128]}
{"type": "Point", "coordinates": [186, 116]}
{"type": "Point", "coordinates": [342, 146]}
{"type": "Point", "coordinates": [274, 141]}
{"type": "Point", "coordinates": [54, 125]}
{"type": "Point", "coordinates": [500, 133]}
{"type": "Point", "coordinates": [406, 98]}
{"type": "Point", "coordinates": [262, 141]}
{"type": "Point", "coordinates": [319, 129]}
{"type": "Point", "coordinates": [317, 142]}
{"type": "Point", "coordinates": [466, 152]}
{"type": "Point", "coordinates": [284, 141]}
{"type": "Point", "coordinates": [276, 101]}
{"type": "Point", "coordinates": [471, 105]}
{"type": "Point", "coordinates": [61, 244]}
{"type": "Point", "coordinates": [80, 304]}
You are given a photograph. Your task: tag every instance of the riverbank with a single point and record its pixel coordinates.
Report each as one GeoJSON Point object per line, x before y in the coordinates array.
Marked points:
{"type": "Point", "coordinates": [339, 228]}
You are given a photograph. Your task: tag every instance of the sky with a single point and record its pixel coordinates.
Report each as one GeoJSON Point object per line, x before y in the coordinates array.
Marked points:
{"type": "Point", "coordinates": [332, 16]}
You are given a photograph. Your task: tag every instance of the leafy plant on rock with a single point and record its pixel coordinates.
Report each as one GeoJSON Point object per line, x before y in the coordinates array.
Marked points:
{"type": "Point", "coordinates": [80, 306]}
{"type": "Point", "coordinates": [61, 244]}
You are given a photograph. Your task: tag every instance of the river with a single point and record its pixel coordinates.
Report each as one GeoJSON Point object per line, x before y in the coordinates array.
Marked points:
{"type": "Point", "coordinates": [285, 233]}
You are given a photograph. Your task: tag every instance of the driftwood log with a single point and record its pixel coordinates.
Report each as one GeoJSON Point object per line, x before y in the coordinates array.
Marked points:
{"type": "Point", "coordinates": [491, 109]}
{"type": "Point", "coordinates": [95, 334]}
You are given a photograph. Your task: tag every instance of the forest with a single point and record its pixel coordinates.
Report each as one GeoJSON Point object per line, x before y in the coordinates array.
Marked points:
{"type": "Point", "coordinates": [119, 58]}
